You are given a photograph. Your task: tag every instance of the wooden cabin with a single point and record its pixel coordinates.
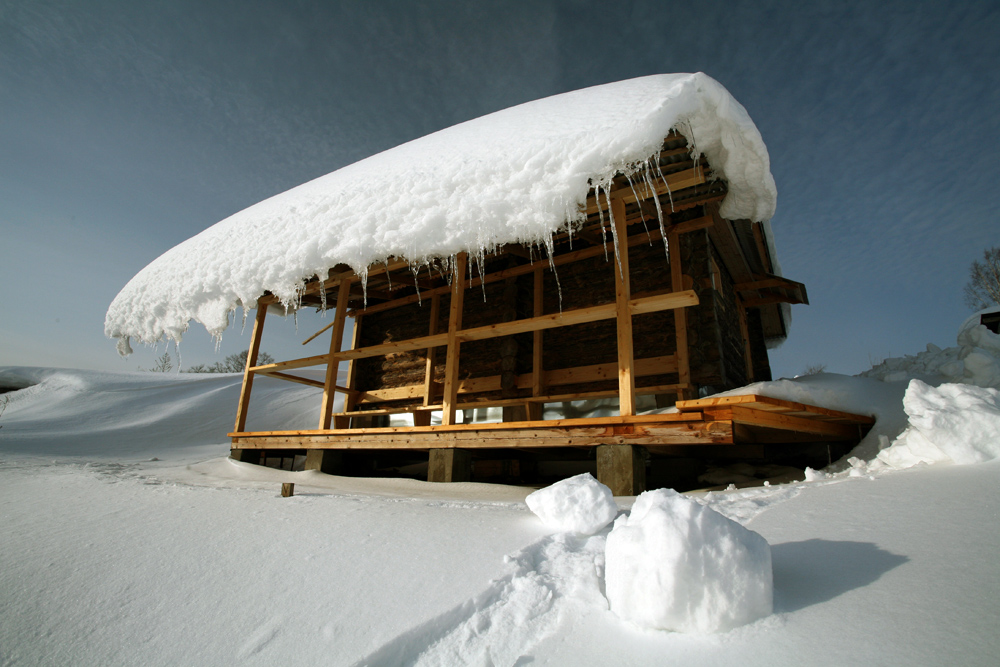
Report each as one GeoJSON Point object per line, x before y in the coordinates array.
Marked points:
{"type": "Point", "coordinates": [655, 299]}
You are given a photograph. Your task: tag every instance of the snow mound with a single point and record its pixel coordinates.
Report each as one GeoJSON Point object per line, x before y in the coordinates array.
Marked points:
{"type": "Point", "coordinates": [953, 422]}
{"type": "Point", "coordinates": [515, 176]}
{"type": "Point", "coordinates": [674, 564]}
{"type": "Point", "coordinates": [975, 361]}
{"type": "Point", "coordinates": [579, 504]}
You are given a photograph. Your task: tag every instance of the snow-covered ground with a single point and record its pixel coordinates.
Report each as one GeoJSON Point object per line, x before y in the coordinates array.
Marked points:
{"type": "Point", "coordinates": [130, 538]}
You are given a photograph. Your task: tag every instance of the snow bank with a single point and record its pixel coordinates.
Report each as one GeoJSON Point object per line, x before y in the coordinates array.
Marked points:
{"type": "Point", "coordinates": [674, 564]}
{"type": "Point", "coordinates": [516, 175]}
{"type": "Point", "coordinates": [953, 422]}
{"type": "Point", "coordinates": [975, 361]}
{"type": "Point", "coordinates": [579, 504]}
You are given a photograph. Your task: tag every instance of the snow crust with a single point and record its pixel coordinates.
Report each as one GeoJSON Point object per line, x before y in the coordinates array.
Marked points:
{"type": "Point", "coordinates": [674, 564]}
{"type": "Point", "coordinates": [516, 175]}
{"type": "Point", "coordinates": [578, 504]}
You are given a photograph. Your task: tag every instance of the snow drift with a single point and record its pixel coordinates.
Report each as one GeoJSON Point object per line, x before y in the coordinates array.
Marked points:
{"type": "Point", "coordinates": [515, 176]}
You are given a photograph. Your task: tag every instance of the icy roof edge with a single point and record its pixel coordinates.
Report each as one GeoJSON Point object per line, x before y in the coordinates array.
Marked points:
{"type": "Point", "coordinates": [514, 176]}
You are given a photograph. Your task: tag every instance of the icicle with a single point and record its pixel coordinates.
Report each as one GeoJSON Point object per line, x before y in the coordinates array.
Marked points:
{"type": "Point", "coordinates": [667, 185]}
{"type": "Point", "coordinates": [364, 286]}
{"type": "Point", "coordinates": [614, 236]}
{"type": "Point", "coordinates": [415, 270]}
{"type": "Point", "coordinates": [481, 262]}
{"type": "Point", "coordinates": [550, 247]}
{"type": "Point", "coordinates": [637, 200]}
{"type": "Point", "coordinates": [659, 210]}
{"type": "Point", "coordinates": [600, 215]}
{"type": "Point", "coordinates": [322, 294]}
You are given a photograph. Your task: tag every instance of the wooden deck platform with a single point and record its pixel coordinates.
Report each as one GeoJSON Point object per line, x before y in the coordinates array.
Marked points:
{"type": "Point", "coordinates": [728, 420]}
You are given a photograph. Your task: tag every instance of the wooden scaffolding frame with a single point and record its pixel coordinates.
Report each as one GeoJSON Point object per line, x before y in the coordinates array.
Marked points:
{"type": "Point", "coordinates": [352, 427]}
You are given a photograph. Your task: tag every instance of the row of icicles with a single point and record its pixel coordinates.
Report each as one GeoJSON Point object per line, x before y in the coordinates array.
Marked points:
{"type": "Point", "coordinates": [646, 173]}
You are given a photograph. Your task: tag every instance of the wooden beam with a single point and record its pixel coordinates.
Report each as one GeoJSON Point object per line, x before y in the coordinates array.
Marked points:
{"type": "Point", "coordinates": [352, 367]}
{"type": "Point", "coordinates": [658, 302]}
{"type": "Point", "coordinates": [258, 330]}
{"type": "Point", "coordinates": [295, 378]}
{"type": "Point", "coordinates": [431, 351]}
{"type": "Point", "coordinates": [454, 324]}
{"type": "Point", "coordinates": [551, 321]}
{"type": "Point", "coordinates": [332, 364]}
{"type": "Point", "coordinates": [623, 313]}
{"type": "Point", "coordinates": [537, 359]}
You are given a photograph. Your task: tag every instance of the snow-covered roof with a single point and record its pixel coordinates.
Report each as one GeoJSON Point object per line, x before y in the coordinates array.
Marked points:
{"type": "Point", "coordinates": [514, 176]}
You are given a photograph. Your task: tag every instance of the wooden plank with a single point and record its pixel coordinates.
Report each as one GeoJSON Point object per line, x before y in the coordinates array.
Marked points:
{"type": "Point", "coordinates": [623, 313]}
{"type": "Point", "coordinates": [550, 321]}
{"type": "Point", "coordinates": [291, 364]}
{"type": "Point", "coordinates": [332, 365]}
{"type": "Point", "coordinates": [454, 343]}
{"type": "Point", "coordinates": [537, 360]}
{"type": "Point", "coordinates": [254, 350]}
{"type": "Point", "coordinates": [608, 421]}
{"type": "Point", "coordinates": [297, 379]}
{"type": "Point", "coordinates": [395, 346]}
{"type": "Point", "coordinates": [693, 433]}
{"type": "Point", "coordinates": [659, 302]}
{"type": "Point", "coordinates": [763, 402]}
{"type": "Point", "coordinates": [431, 351]}
{"type": "Point", "coordinates": [745, 415]}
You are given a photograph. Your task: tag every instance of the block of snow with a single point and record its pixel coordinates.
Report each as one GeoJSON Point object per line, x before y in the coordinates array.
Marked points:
{"type": "Point", "coordinates": [674, 564]}
{"type": "Point", "coordinates": [953, 422]}
{"type": "Point", "coordinates": [514, 176]}
{"type": "Point", "coordinates": [579, 504]}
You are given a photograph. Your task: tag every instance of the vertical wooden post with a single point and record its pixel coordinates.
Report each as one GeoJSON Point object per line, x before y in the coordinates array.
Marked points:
{"type": "Point", "coordinates": [326, 409]}
{"type": "Point", "coordinates": [537, 347]}
{"type": "Point", "coordinates": [622, 468]}
{"type": "Point", "coordinates": [258, 329]}
{"type": "Point", "coordinates": [431, 351]}
{"type": "Point", "coordinates": [352, 370]}
{"type": "Point", "coordinates": [449, 465]}
{"type": "Point", "coordinates": [454, 324]}
{"type": "Point", "coordinates": [537, 363]}
{"type": "Point", "coordinates": [623, 293]}
{"type": "Point", "coordinates": [680, 316]}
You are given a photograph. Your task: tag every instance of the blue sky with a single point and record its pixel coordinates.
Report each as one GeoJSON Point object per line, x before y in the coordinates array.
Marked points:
{"type": "Point", "coordinates": [126, 128]}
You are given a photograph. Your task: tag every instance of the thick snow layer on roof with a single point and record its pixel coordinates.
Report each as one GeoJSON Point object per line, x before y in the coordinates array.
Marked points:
{"type": "Point", "coordinates": [516, 175]}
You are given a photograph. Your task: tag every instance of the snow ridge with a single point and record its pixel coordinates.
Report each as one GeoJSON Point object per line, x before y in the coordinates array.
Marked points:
{"type": "Point", "coordinates": [557, 576]}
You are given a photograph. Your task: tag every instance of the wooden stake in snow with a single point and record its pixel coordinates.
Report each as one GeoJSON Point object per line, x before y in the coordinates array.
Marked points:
{"type": "Point", "coordinates": [287, 490]}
